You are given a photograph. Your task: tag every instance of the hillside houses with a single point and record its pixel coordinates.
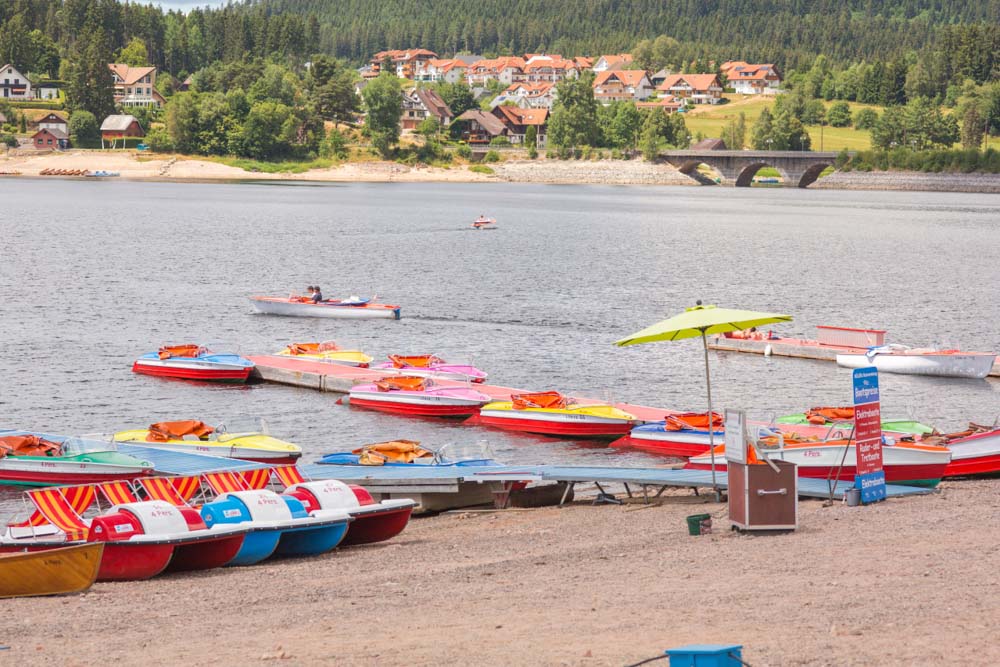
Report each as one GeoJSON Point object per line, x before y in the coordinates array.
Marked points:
{"type": "Point", "coordinates": [528, 95]}
{"type": "Point", "coordinates": [752, 79]}
{"type": "Point", "coordinates": [419, 104]}
{"type": "Point", "coordinates": [14, 85]}
{"type": "Point", "coordinates": [135, 86]}
{"type": "Point", "coordinates": [693, 88]}
{"type": "Point", "coordinates": [628, 85]}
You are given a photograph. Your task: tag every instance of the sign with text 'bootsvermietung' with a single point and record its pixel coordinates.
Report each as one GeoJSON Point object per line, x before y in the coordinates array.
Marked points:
{"type": "Point", "coordinates": [869, 477]}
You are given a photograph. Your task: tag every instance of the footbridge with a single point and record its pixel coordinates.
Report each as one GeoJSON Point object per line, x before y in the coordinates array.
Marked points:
{"type": "Point", "coordinates": [797, 168]}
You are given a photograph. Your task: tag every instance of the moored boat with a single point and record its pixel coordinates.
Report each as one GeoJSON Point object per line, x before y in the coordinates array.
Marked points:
{"type": "Point", "coordinates": [430, 365]}
{"type": "Point", "coordinates": [914, 464]}
{"type": "Point", "coordinates": [350, 308]}
{"type": "Point", "coordinates": [327, 351]}
{"type": "Point", "coordinates": [482, 222]}
{"type": "Point", "coordinates": [409, 453]}
{"type": "Point", "coordinates": [371, 521]}
{"type": "Point", "coordinates": [243, 438]}
{"type": "Point", "coordinates": [681, 435]}
{"type": "Point", "coordinates": [70, 569]}
{"type": "Point", "coordinates": [974, 451]}
{"type": "Point", "coordinates": [417, 396]}
{"type": "Point", "coordinates": [550, 413]}
{"type": "Point", "coordinates": [194, 362]}
{"type": "Point", "coordinates": [922, 361]}
{"type": "Point", "coordinates": [38, 459]}
{"type": "Point", "coordinates": [842, 419]}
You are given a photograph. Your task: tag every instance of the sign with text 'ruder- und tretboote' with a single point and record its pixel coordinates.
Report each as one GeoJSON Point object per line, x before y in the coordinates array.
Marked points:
{"type": "Point", "coordinates": [869, 477]}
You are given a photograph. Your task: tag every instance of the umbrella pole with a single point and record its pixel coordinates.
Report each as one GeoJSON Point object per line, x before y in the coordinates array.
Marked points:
{"type": "Point", "coordinates": [711, 429]}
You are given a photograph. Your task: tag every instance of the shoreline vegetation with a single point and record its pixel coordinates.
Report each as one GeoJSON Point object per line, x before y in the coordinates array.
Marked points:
{"type": "Point", "coordinates": [140, 166]}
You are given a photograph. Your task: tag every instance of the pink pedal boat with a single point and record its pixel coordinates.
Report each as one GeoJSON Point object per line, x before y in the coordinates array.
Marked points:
{"type": "Point", "coordinates": [410, 395]}
{"type": "Point", "coordinates": [432, 366]}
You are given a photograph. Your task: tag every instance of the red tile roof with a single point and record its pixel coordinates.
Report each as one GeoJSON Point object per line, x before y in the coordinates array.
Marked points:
{"type": "Point", "coordinates": [519, 116]}
{"type": "Point", "coordinates": [696, 81]}
{"type": "Point", "coordinates": [629, 77]}
{"type": "Point", "coordinates": [130, 75]}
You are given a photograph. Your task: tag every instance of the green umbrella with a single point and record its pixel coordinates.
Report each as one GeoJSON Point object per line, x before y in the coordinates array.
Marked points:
{"type": "Point", "coordinates": [702, 321]}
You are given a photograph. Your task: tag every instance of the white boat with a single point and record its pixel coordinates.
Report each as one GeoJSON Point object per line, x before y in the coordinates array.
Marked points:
{"type": "Point", "coordinates": [922, 361]}
{"type": "Point", "coordinates": [350, 308]}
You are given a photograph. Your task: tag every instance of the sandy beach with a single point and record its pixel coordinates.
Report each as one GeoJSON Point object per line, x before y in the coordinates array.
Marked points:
{"type": "Point", "coordinates": [132, 165]}
{"type": "Point", "coordinates": [905, 582]}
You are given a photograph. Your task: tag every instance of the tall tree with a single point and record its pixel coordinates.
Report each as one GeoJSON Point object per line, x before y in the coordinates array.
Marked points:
{"type": "Point", "coordinates": [90, 85]}
{"type": "Point", "coordinates": [384, 103]}
{"type": "Point", "coordinates": [574, 115]}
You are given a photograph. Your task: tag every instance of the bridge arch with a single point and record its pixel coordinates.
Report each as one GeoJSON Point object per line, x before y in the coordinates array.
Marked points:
{"type": "Point", "coordinates": [811, 174]}
{"type": "Point", "coordinates": [744, 179]}
{"type": "Point", "coordinates": [690, 168]}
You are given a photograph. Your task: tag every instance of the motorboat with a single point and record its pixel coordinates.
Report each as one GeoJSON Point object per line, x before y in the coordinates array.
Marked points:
{"type": "Point", "coordinates": [409, 453]}
{"type": "Point", "coordinates": [909, 463]}
{"type": "Point", "coordinates": [243, 438]}
{"type": "Point", "coordinates": [141, 539]}
{"type": "Point", "coordinates": [371, 521]}
{"type": "Point", "coordinates": [482, 222]}
{"type": "Point", "coordinates": [410, 395]}
{"type": "Point", "coordinates": [353, 307]}
{"type": "Point", "coordinates": [679, 435]}
{"type": "Point", "coordinates": [327, 351]}
{"type": "Point", "coordinates": [194, 362]}
{"type": "Point", "coordinates": [54, 572]}
{"type": "Point", "coordinates": [37, 459]}
{"type": "Point", "coordinates": [896, 358]}
{"type": "Point", "coordinates": [974, 451]}
{"type": "Point", "coordinates": [430, 365]}
{"type": "Point", "coordinates": [842, 418]}
{"type": "Point", "coordinates": [551, 413]}
{"type": "Point", "coordinates": [280, 524]}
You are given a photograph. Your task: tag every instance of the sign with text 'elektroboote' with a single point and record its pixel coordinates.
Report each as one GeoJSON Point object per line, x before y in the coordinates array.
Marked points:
{"type": "Point", "coordinates": [869, 477]}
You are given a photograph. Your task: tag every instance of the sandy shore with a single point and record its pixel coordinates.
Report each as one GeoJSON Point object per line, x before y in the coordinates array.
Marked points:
{"type": "Point", "coordinates": [605, 172]}
{"type": "Point", "coordinates": [906, 582]}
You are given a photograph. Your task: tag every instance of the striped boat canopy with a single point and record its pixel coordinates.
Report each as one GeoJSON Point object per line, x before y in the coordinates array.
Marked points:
{"type": "Point", "coordinates": [160, 488]}
{"type": "Point", "coordinates": [256, 479]}
{"type": "Point", "coordinates": [117, 492]}
{"type": "Point", "coordinates": [61, 512]}
{"type": "Point", "coordinates": [225, 482]}
{"type": "Point", "coordinates": [289, 475]}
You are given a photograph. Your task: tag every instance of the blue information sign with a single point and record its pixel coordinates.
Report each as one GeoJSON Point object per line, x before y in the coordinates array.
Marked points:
{"type": "Point", "coordinates": [872, 486]}
{"type": "Point", "coordinates": [865, 385]}
{"type": "Point", "coordinates": [869, 475]}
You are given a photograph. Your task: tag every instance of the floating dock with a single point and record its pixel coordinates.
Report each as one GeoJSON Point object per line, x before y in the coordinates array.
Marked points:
{"type": "Point", "coordinates": [167, 462]}
{"type": "Point", "coordinates": [326, 376]}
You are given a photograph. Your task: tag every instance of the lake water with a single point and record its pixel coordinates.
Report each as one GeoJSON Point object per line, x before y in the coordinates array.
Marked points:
{"type": "Point", "coordinates": [93, 274]}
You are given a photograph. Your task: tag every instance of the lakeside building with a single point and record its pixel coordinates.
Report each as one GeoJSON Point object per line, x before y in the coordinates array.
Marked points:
{"type": "Point", "coordinates": [612, 62]}
{"type": "Point", "coordinates": [518, 120]}
{"type": "Point", "coordinates": [752, 79]}
{"type": "Point", "coordinates": [419, 104]}
{"type": "Point", "coordinates": [15, 86]}
{"type": "Point", "coordinates": [693, 88]}
{"type": "Point", "coordinates": [626, 85]}
{"type": "Point", "coordinates": [135, 86]}
{"type": "Point", "coordinates": [527, 95]}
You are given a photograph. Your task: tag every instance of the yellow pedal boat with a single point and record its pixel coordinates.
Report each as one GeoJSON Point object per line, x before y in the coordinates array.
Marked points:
{"type": "Point", "coordinates": [245, 439]}
{"type": "Point", "coordinates": [327, 351]}
{"type": "Point", "coordinates": [549, 413]}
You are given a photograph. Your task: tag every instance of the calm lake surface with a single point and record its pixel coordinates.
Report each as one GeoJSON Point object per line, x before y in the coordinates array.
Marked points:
{"type": "Point", "coordinates": [93, 274]}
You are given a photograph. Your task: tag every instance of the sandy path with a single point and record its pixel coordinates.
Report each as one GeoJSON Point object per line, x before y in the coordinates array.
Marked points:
{"type": "Point", "coordinates": [907, 582]}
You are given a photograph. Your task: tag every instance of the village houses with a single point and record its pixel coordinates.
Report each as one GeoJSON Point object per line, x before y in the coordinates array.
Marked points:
{"type": "Point", "coordinates": [624, 85]}
{"type": "Point", "coordinates": [419, 104]}
{"type": "Point", "coordinates": [518, 120]}
{"type": "Point", "coordinates": [14, 84]}
{"type": "Point", "coordinates": [135, 86]}
{"type": "Point", "coordinates": [693, 88]}
{"type": "Point", "coordinates": [527, 95]}
{"type": "Point", "coordinates": [748, 79]}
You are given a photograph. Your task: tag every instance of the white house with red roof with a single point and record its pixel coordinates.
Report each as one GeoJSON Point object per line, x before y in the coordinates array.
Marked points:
{"type": "Point", "coordinates": [617, 61]}
{"type": "Point", "coordinates": [752, 79]}
{"type": "Point", "coordinates": [628, 85]}
{"type": "Point", "coordinates": [135, 86]}
{"type": "Point", "coordinates": [527, 95]}
{"type": "Point", "coordinates": [445, 69]}
{"type": "Point", "coordinates": [693, 88]}
{"type": "Point", "coordinates": [505, 69]}
{"type": "Point", "coordinates": [408, 63]}
{"type": "Point", "coordinates": [546, 69]}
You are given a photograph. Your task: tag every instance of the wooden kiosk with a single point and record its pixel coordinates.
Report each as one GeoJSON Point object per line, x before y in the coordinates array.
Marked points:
{"type": "Point", "coordinates": [763, 494]}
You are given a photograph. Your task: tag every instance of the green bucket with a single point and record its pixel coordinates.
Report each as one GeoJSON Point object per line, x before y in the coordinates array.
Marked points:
{"type": "Point", "coordinates": [698, 521]}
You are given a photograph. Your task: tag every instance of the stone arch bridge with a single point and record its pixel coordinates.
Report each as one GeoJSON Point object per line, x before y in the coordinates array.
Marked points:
{"type": "Point", "coordinates": [797, 168]}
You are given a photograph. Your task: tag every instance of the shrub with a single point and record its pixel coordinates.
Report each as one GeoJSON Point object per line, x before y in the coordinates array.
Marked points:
{"type": "Point", "coordinates": [84, 130]}
{"type": "Point", "coordinates": [159, 141]}
{"type": "Point", "coordinates": [464, 151]}
{"type": "Point", "coordinates": [865, 119]}
{"type": "Point", "coordinates": [481, 169]}
{"type": "Point", "coordinates": [492, 156]}
{"type": "Point", "coordinates": [532, 152]}
{"type": "Point", "coordinates": [499, 141]}
{"type": "Point", "coordinates": [8, 140]}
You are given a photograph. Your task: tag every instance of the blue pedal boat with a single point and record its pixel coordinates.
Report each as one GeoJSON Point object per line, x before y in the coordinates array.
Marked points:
{"type": "Point", "coordinates": [281, 525]}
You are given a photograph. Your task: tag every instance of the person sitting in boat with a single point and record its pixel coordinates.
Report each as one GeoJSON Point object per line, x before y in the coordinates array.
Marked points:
{"type": "Point", "coordinates": [317, 294]}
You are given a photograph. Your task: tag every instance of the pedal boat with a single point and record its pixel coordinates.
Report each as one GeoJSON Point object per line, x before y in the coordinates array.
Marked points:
{"type": "Point", "coordinates": [302, 306]}
{"type": "Point", "coordinates": [410, 395]}
{"type": "Point", "coordinates": [327, 351]}
{"type": "Point", "coordinates": [35, 459]}
{"type": "Point", "coordinates": [371, 521]}
{"type": "Point", "coordinates": [922, 361]}
{"type": "Point", "coordinates": [842, 419]}
{"type": "Point", "coordinates": [550, 413]}
{"type": "Point", "coordinates": [974, 451]}
{"type": "Point", "coordinates": [245, 439]}
{"type": "Point", "coordinates": [409, 453]}
{"type": "Point", "coordinates": [909, 463]}
{"type": "Point", "coordinates": [280, 525]}
{"type": "Point", "coordinates": [194, 362]}
{"type": "Point", "coordinates": [429, 365]}
{"type": "Point", "coordinates": [483, 222]}
{"type": "Point", "coordinates": [141, 539]}
{"type": "Point", "coordinates": [53, 572]}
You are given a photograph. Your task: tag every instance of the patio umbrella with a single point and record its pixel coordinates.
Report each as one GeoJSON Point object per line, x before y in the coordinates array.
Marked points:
{"type": "Point", "coordinates": [703, 321]}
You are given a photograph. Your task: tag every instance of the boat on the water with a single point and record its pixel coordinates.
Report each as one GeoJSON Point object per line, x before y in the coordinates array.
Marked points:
{"type": "Point", "coordinates": [243, 438]}
{"type": "Point", "coordinates": [433, 366]}
{"type": "Point", "coordinates": [54, 572]}
{"type": "Point", "coordinates": [194, 362]}
{"type": "Point", "coordinates": [38, 459]}
{"type": "Point", "coordinates": [896, 358]}
{"type": "Point", "coordinates": [842, 418]}
{"type": "Point", "coordinates": [327, 351]}
{"type": "Point", "coordinates": [974, 451]}
{"type": "Point", "coordinates": [141, 539]}
{"type": "Point", "coordinates": [410, 395]}
{"type": "Point", "coordinates": [482, 222]}
{"type": "Point", "coordinates": [910, 463]}
{"type": "Point", "coordinates": [409, 453]}
{"type": "Point", "coordinates": [353, 307]}
{"type": "Point", "coordinates": [551, 413]}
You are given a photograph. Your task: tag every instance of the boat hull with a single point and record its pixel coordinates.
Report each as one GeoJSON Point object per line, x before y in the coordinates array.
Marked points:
{"type": "Point", "coordinates": [241, 453]}
{"type": "Point", "coordinates": [575, 426]}
{"type": "Point", "coordinates": [205, 554]}
{"type": "Point", "coordinates": [377, 526]}
{"type": "Point", "coordinates": [120, 561]}
{"type": "Point", "coordinates": [975, 455]}
{"type": "Point", "coordinates": [63, 473]}
{"type": "Point", "coordinates": [975, 366]}
{"type": "Point", "coordinates": [272, 306]}
{"type": "Point", "coordinates": [67, 570]}
{"type": "Point", "coordinates": [192, 370]}
{"type": "Point", "coordinates": [424, 408]}
{"type": "Point", "coordinates": [447, 372]}
{"type": "Point", "coordinates": [678, 444]}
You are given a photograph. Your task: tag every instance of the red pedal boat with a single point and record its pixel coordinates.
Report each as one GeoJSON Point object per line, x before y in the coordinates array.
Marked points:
{"type": "Point", "coordinates": [411, 395]}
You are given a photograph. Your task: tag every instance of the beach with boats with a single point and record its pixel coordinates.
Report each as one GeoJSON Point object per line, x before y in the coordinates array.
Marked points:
{"type": "Point", "coordinates": [523, 437]}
